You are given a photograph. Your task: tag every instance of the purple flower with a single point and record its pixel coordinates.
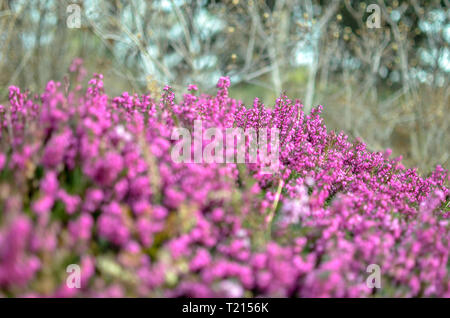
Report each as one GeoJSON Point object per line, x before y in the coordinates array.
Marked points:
{"type": "Point", "coordinates": [89, 178]}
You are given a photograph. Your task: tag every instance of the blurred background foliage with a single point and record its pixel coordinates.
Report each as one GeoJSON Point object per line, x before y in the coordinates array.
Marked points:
{"type": "Point", "coordinates": [387, 85]}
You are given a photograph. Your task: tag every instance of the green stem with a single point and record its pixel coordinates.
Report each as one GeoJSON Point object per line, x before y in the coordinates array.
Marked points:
{"type": "Point", "coordinates": [274, 205]}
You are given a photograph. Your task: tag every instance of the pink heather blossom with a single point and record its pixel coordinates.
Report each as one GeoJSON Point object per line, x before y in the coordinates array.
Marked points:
{"type": "Point", "coordinates": [94, 183]}
{"type": "Point", "coordinates": [2, 160]}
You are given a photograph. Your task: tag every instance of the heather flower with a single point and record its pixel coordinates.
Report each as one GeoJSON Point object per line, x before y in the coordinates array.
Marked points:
{"type": "Point", "coordinates": [55, 150]}
{"type": "Point", "coordinates": [112, 228]}
{"type": "Point", "coordinates": [93, 182]}
{"type": "Point", "coordinates": [43, 205]}
{"type": "Point", "coordinates": [81, 228]}
{"type": "Point", "coordinates": [107, 169]}
{"type": "Point", "coordinates": [71, 202]}
{"type": "Point", "coordinates": [92, 199]}
{"type": "Point", "coordinates": [2, 160]}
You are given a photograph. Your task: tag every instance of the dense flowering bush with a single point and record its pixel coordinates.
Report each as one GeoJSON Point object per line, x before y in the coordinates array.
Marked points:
{"type": "Point", "coordinates": [88, 179]}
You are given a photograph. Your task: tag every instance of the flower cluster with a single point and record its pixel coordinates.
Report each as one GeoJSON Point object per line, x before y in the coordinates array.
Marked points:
{"type": "Point", "coordinates": [88, 179]}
